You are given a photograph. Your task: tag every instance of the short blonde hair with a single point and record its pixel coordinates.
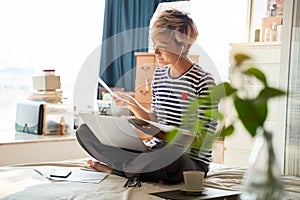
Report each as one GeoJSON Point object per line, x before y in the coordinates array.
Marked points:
{"type": "Point", "coordinates": [184, 29]}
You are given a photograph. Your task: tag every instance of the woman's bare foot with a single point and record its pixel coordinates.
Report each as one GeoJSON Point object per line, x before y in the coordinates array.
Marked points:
{"type": "Point", "coordinates": [99, 167]}
{"type": "Point", "coordinates": [163, 182]}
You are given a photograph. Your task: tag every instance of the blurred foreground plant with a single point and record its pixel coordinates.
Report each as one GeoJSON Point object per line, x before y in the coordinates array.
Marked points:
{"type": "Point", "coordinates": [263, 180]}
{"type": "Point", "coordinates": [252, 110]}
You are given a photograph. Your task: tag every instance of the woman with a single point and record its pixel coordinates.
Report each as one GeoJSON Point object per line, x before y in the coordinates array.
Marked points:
{"type": "Point", "coordinates": [174, 86]}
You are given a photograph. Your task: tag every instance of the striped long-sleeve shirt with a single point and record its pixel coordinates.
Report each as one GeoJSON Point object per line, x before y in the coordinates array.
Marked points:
{"type": "Point", "coordinates": [172, 96]}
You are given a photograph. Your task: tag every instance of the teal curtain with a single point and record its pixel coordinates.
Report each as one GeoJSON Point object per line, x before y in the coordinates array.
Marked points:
{"type": "Point", "coordinates": [125, 31]}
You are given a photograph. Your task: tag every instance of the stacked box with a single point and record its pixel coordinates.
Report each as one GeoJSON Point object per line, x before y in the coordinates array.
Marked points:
{"type": "Point", "coordinates": [46, 88]}
{"type": "Point", "coordinates": [46, 83]}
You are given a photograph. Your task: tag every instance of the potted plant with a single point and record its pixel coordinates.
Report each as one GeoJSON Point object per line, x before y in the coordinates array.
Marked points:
{"type": "Point", "coordinates": [262, 180]}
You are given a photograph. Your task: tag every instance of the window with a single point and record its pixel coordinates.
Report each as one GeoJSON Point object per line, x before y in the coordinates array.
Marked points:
{"type": "Point", "coordinates": [219, 24]}
{"type": "Point", "coordinates": [37, 35]}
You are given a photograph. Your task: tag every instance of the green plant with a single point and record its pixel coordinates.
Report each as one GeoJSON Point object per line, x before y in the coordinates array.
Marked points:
{"type": "Point", "coordinates": [251, 110]}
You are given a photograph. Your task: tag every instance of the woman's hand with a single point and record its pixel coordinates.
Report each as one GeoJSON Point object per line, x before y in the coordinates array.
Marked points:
{"type": "Point", "coordinates": [124, 99]}
{"type": "Point", "coordinates": [144, 137]}
{"type": "Point", "coordinates": [127, 100]}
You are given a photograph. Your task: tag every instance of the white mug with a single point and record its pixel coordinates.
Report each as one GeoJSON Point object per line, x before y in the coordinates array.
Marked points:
{"type": "Point", "coordinates": [193, 180]}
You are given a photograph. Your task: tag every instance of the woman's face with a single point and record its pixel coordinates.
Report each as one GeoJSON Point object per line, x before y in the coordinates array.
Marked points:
{"type": "Point", "coordinates": [166, 50]}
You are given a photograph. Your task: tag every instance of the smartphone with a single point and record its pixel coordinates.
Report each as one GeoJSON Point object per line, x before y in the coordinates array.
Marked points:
{"type": "Point", "coordinates": [61, 173]}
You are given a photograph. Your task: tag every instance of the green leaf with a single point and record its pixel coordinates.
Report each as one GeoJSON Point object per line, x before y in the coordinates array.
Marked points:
{"type": "Point", "coordinates": [170, 135]}
{"type": "Point", "coordinates": [227, 131]}
{"type": "Point", "coordinates": [261, 110]}
{"type": "Point", "coordinates": [261, 102]}
{"type": "Point", "coordinates": [191, 114]}
{"type": "Point", "coordinates": [220, 91]}
{"type": "Point", "coordinates": [198, 140]}
{"type": "Point", "coordinates": [209, 140]}
{"type": "Point", "coordinates": [258, 74]}
{"type": "Point", "coordinates": [268, 93]}
{"type": "Point", "coordinates": [214, 114]}
{"type": "Point", "coordinates": [198, 126]}
{"type": "Point", "coordinates": [240, 58]}
{"type": "Point", "coordinates": [247, 114]}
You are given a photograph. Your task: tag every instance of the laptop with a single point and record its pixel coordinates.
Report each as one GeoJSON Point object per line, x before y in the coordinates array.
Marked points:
{"type": "Point", "coordinates": [114, 131]}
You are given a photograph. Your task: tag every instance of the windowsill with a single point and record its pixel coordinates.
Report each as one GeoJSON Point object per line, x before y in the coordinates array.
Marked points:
{"type": "Point", "coordinates": [13, 137]}
{"type": "Point", "coordinates": [20, 148]}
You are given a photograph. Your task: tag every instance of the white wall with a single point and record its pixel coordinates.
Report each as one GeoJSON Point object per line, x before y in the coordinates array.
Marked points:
{"type": "Point", "coordinates": [219, 24]}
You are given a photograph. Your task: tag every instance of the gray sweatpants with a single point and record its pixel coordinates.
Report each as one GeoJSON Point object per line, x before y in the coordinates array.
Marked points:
{"type": "Point", "coordinates": [162, 162]}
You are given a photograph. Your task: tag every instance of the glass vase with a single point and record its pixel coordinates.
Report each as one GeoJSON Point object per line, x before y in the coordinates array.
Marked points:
{"type": "Point", "coordinates": [263, 179]}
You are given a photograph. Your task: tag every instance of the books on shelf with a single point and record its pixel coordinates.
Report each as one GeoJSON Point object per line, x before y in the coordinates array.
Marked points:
{"type": "Point", "coordinates": [48, 96]}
